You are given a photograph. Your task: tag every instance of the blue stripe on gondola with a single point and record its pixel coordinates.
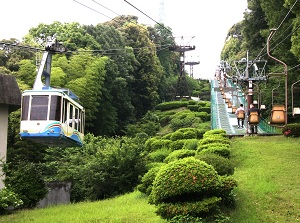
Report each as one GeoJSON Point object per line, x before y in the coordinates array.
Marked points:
{"type": "Point", "coordinates": [53, 132]}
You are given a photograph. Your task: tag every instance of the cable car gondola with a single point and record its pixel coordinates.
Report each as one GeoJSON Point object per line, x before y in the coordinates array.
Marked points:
{"type": "Point", "coordinates": [51, 116]}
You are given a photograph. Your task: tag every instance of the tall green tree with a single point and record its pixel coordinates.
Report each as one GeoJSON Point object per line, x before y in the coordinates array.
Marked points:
{"type": "Point", "coordinates": [148, 72]}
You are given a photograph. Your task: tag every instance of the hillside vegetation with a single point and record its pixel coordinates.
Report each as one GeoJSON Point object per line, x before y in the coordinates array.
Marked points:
{"type": "Point", "coordinates": [267, 171]}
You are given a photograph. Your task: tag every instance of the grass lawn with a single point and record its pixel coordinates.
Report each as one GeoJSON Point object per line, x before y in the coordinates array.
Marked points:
{"type": "Point", "coordinates": [268, 175]}
{"type": "Point", "coordinates": [129, 208]}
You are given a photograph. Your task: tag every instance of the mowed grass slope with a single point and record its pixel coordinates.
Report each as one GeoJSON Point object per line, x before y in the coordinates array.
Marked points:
{"type": "Point", "coordinates": [268, 175]}
{"type": "Point", "coordinates": [129, 208]}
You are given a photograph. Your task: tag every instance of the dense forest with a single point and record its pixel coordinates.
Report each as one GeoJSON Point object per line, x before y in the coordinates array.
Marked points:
{"type": "Point", "coordinates": [125, 75]}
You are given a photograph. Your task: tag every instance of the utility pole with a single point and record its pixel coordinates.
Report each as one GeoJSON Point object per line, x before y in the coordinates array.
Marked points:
{"type": "Point", "coordinates": [182, 85]}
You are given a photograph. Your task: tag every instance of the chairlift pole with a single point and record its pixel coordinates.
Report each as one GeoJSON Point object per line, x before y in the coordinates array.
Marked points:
{"type": "Point", "coordinates": [285, 71]}
{"type": "Point", "coordinates": [250, 86]}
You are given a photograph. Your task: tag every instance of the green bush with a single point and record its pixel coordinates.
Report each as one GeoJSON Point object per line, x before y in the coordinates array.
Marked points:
{"type": "Point", "coordinates": [179, 179]}
{"type": "Point", "coordinates": [159, 144]}
{"type": "Point", "coordinates": [193, 108]}
{"type": "Point", "coordinates": [202, 104]}
{"type": "Point", "coordinates": [203, 115]}
{"type": "Point", "coordinates": [189, 186]}
{"type": "Point", "coordinates": [102, 168]}
{"type": "Point", "coordinates": [176, 145]}
{"type": "Point", "coordinates": [8, 200]}
{"type": "Point", "coordinates": [221, 151]}
{"type": "Point", "coordinates": [221, 164]}
{"type": "Point", "coordinates": [26, 180]}
{"type": "Point", "coordinates": [193, 208]}
{"type": "Point", "coordinates": [156, 143]}
{"type": "Point", "coordinates": [204, 109]}
{"type": "Point", "coordinates": [185, 219]}
{"type": "Point", "coordinates": [177, 136]}
{"type": "Point", "coordinates": [159, 155]}
{"type": "Point", "coordinates": [291, 130]}
{"type": "Point", "coordinates": [192, 102]}
{"type": "Point", "coordinates": [210, 140]}
{"type": "Point", "coordinates": [184, 119]}
{"type": "Point", "coordinates": [171, 105]}
{"type": "Point", "coordinates": [179, 154]}
{"type": "Point", "coordinates": [191, 144]}
{"type": "Point", "coordinates": [208, 145]}
{"type": "Point", "coordinates": [220, 132]}
{"type": "Point", "coordinates": [146, 183]}
{"type": "Point", "coordinates": [187, 131]}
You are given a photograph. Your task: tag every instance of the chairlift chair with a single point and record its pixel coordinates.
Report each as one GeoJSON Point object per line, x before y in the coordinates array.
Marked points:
{"type": "Point", "coordinates": [295, 110]}
{"type": "Point", "coordinates": [278, 112]}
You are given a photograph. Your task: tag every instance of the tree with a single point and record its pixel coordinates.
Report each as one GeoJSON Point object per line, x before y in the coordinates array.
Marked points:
{"type": "Point", "coordinates": [147, 73]}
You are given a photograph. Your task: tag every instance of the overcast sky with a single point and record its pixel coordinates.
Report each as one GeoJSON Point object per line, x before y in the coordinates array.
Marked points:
{"type": "Point", "coordinates": [203, 23]}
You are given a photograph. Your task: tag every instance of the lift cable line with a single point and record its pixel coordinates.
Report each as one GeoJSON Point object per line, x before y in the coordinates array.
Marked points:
{"type": "Point", "coordinates": [92, 9]}
{"type": "Point", "coordinates": [148, 16]}
{"type": "Point", "coordinates": [8, 47]}
{"type": "Point", "coordinates": [106, 7]}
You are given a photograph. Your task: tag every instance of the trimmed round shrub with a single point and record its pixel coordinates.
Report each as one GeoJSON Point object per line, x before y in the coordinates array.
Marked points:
{"type": "Point", "coordinates": [196, 208]}
{"type": "Point", "coordinates": [204, 109]}
{"type": "Point", "coordinates": [220, 132]}
{"type": "Point", "coordinates": [204, 116]}
{"type": "Point", "coordinates": [221, 151]}
{"type": "Point", "coordinates": [205, 146]}
{"type": "Point", "coordinates": [176, 145]}
{"type": "Point", "coordinates": [221, 164]}
{"type": "Point", "coordinates": [146, 183]}
{"type": "Point", "coordinates": [154, 144]}
{"type": "Point", "coordinates": [189, 186]}
{"type": "Point", "coordinates": [192, 102]}
{"type": "Point", "coordinates": [159, 155]}
{"type": "Point", "coordinates": [214, 139]}
{"type": "Point", "coordinates": [190, 135]}
{"type": "Point", "coordinates": [177, 136]}
{"type": "Point", "coordinates": [193, 107]}
{"type": "Point", "coordinates": [199, 132]}
{"type": "Point", "coordinates": [183, 180]}
{"type": "Point", "coordinates": [179, 154]}
{"type": "Point", "coordinates": [191, 144]}
{"type": "Point", "coordinates": [171, 105]}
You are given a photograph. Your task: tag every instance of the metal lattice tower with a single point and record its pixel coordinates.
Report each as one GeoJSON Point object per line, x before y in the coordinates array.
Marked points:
{"type": "Point", "coordinates": [182, 89]}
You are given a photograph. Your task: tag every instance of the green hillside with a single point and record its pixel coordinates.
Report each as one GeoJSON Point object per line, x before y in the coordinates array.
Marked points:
{"type": "Point", "coordinates": [267, 171]}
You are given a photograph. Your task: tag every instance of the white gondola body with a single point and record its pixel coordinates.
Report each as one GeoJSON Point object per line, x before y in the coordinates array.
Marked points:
{"type": "Point", "coordinates": [51, 117]}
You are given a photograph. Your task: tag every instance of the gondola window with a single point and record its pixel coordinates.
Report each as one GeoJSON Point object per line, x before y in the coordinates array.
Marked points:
{"type": "Point", "coordinates": [55, 108]}
{"type": "Point", "coordinates": [39, 108]}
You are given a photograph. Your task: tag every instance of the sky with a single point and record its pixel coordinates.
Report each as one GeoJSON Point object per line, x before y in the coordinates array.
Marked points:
{"type": "Point", "coordinates": [200, 23]}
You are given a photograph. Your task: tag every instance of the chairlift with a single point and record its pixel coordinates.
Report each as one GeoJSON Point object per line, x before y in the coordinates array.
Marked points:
{"type": "Point", "coordinates": [229, 104]}
{"type": "Point", "coordinates": [278, 112]}
{"type": "Point", "coordinates": [295, 110]}
{"type": "Point", "coordinates": [233, 109]}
